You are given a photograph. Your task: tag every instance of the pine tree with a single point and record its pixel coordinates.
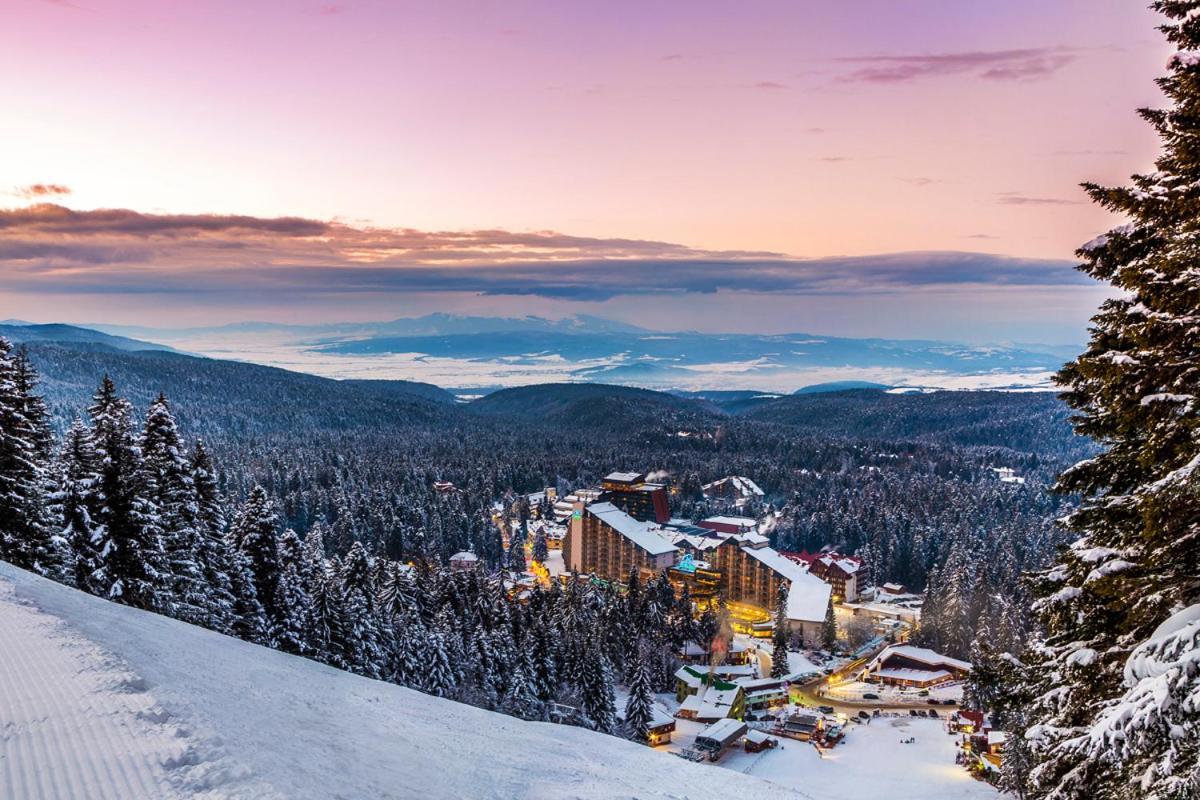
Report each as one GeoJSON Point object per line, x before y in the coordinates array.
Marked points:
{"type": "Point", "coordinates": [829, 629]}
{"type": "Point", "coordinates": [596, 691]}
{"type": "Point", "coordinates": [1116, 679]}
{"type": "Point", "coordinates": [215, 554]}
{"type": "Point", "coordinates": [639, 707]}
{"type": "Point", "coordinates": [292, 592]}
{"type": "Point", "coordinates": [168, 477]}
{"type": "Point", "coordinates": [254, 532]}
{"type": "Point", "coordinates": [27, 536]}
{"type": "Point", "coordinates": [541, 549]}
{"type": "Point", "coordinates": [129, 538]}
{"type": "Point", "coordinates": [779, 651]}
{"type": "Point", "coordinates": [75, 504]}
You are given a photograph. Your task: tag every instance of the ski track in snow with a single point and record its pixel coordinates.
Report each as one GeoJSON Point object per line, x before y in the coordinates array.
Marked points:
{"type": "Point", "coordinates": [76, 723]}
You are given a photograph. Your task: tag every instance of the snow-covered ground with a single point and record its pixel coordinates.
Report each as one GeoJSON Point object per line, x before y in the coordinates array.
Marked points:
{"type": "Point", "coordinates": [872, 762]}
{"type": "Point", "coordinates": [103, 701]}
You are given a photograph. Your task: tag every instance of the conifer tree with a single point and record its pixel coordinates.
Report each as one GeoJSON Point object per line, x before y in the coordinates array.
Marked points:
{"type": "Point", "coordinates": [596, 691]}
{"type": "Point", "coordinates": [829, 629]}
{"type": "Point", "coordinates": [168, 476]}
{"type": "Point", "coordinates": [541, 550]}
{"type": "Point", "coordinates": [214, 549]}
{"type": "Point", "coordinates": [1116, 679]}
{"type": "Point", "coordinates": [75, 504]}
{"type": "Point", "coordinates": [639, 707]}
{"type": "Point", "coordinates": [254, 532]}
{"type": "Point", "coordinates": [27, 537]}
{"type": "Point", "coordinates": [779, 650]}
{"type": "Point", "coordinates": [129, 538]}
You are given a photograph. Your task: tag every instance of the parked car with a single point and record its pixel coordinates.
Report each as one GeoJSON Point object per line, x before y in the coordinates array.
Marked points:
{"type": "Point", "coordinates": [912, 712]}
{"type": "Point", "coordinates": [863, 715]}
{"type": "Point", "coordinates": [949, 701]}
{"type": "Point", "coordinates": [870, 696]}
{"type": "Point", "coordinates": [932, 713]}
{"type": "Point", "coordinates": [923, 693]}
{"type": "Point", "coordinates": [932, 701]}
{"type": "Point", "coordinates": [826, 709]}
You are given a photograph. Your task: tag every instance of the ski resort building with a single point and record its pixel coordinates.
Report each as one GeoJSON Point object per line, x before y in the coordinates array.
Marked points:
{"type": "Point", "coordinates": [906, 665]}
{"type": "Point", "coordinates": [630, 492]}
{"type": "Point", "coordinates": [607, 542]}
{"type": "Point", "coordinates": [724, 556]}
{"type": "Point", "coordinates": [734, 489]}
{"type": "Point", "coordinates": [839, 571]}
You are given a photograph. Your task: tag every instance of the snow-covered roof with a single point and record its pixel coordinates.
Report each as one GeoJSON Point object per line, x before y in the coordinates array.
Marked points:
{"type": "Point", "coordinates": [700, 543]}
{"type": "Point", "coordinates": [922, 655]}
{"type": "Point", "coordinates": [757, 737]}
{"type": "Point", "coordinates": [463, 555]}
{"type": "Point", "coordinates": [623, 477]}
{"type": "Point", "coordinates": [711, 703]}
{"type": "Point", "coordinates": [645, 535]}
{"type": "Point", "coordinates": [915, 675]}
{"type": "Point", "coordinates": [723, 730]}
{"type": "Point", "coordinates": [996, 737]}
{"type": "Point", "coordinates": [743, 522]}
{"type": "Point", "coordinates": [743, 486]}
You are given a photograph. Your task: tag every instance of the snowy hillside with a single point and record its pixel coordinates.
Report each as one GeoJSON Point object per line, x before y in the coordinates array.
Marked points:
{"type": "Point", "coordinates": [100, 700]}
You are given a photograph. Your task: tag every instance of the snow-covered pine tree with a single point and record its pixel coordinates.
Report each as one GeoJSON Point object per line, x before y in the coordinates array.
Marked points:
{"type": "Point", "coordinates": [295, 607]}
{"type": "Point", "coordinates": [596, 690]}
{"type": "Point", "coordinates": [27, 535]}
{"type": "Point", "coordinates": [1117, 678]}
{"type": "Point", "coordinates": [254, 532]}
{"type": "Point", "coordinates": [168, 476]}
{"type": "Point", "coordinates": [327, 632]}
{"type": "Point", "coordinates": [215, 551]}
{"type": "Point", "coordinates": [639, 706]}
{"type": "Point", "coordinates": [364, 651]}
{"type": "Point", "coordinates": [779, 639]}
{"type": "Point", "coordinates": [74, 504]}
{"type": "Point", "coordinates": [127, 520]}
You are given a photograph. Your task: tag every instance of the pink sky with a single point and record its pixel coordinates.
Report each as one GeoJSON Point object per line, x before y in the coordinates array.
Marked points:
{"type": "Point", "coordinates": [810, 129]}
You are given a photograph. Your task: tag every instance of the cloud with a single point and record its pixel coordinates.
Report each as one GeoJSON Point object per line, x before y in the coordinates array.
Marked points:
{"type": "Point", "coordinates": [836, 159]}
{"type": "Point", "coordinates": [40, 190]}
{"type": "Point", "coordinates": [1015, 199]}
{"type": "Point", "coordinates": [51, 249]}
{"type": "Point", "coordinates": [980, 236]}
{"type": "Point", "coordinates": [999, 65]}
{"type": "Point", "coordinates": [920, 181]}
{"type": "Point", "coordinates": [769, 85]}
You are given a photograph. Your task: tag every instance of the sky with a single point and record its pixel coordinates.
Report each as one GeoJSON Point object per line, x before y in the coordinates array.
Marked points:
{"type": "Point", "coordinates": [881, 168]}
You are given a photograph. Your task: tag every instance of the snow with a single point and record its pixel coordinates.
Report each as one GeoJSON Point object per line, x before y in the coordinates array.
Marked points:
{"type": "Point", "coordinates": [102, 701]}
{"type": "Point", "coordinates": [921, 654]}
{"type": "Point", "coordinates": [869, 764]}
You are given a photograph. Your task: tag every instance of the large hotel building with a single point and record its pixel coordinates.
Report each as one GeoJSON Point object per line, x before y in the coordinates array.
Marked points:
{"type": "Point", "coordinates": [628, 527]}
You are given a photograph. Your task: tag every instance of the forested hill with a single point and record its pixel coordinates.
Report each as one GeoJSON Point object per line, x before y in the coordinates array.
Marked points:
{"type": "Point", "coordinates": [229, 398]}
{"type": "Point", "coordinates": [588, 404]}
{"type": "Point", "coordinates": [1031, 422]}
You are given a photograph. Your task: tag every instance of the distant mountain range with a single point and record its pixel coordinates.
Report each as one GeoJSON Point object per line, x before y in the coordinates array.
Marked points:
{"type": "Point", "coordinates": [469, 352]}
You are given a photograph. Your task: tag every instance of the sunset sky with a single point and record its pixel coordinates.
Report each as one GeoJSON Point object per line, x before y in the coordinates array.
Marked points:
{"type": "Point", "coordinates": [869, 168]}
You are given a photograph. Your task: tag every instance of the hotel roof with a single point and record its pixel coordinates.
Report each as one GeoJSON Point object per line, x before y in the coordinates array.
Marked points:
{"type": "Point", "coordinates": [645, 535]}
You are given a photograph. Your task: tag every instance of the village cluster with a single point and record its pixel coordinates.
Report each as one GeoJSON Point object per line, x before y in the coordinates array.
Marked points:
{"type": "Point", "coordinates": [848, 660]}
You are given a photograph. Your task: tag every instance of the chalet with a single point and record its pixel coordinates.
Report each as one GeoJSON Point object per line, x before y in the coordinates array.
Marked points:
{"type": "Point", "coordinates": [662, 726]}
{"type": "Point", "coordinates": [839, 571]}
{"type": "Point", "coordinates": [894, 589]}
{"type": "Point", "coordinates": [757, 741]}
{"type": "Point", "coordinates": [443, 487]}
{"type": "Point", "coordinates": [906, 665]}
{"type": "Point", "coordinates": [735, 652]}
{"type": "Point", "coordinates": [714, 739]}
{"type": "Point", "coordinates": [734, 489]}
{"type": "Point", "coordinates": [763, 694]}
{"type": "Point", "coordinates": [464, 560]}
{"type": "Point", "coordinates": [802, 725]}
{"type": "Point", "coordinates": [690, 679]}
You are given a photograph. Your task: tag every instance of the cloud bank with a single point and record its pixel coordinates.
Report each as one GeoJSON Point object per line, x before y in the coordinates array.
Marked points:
{"type": "Point", "coordinates": [48, 248]}
{"type": "Point", "coordinates": [996, 65]}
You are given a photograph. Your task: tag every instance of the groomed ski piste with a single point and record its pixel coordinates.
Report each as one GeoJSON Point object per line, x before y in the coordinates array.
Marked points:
{"type": "Point", "coordinates": [99, 701]}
